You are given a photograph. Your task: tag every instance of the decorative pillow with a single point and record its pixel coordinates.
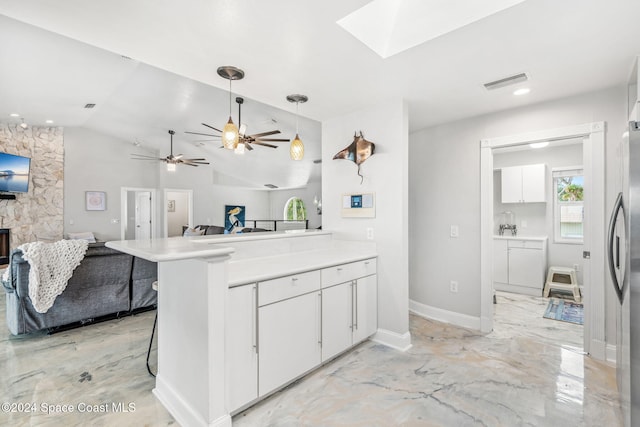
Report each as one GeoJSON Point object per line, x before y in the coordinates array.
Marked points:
{"type": "Point", "coordinates": [193, 232]}
{"type": "Point", "coordinates": [85, 235]}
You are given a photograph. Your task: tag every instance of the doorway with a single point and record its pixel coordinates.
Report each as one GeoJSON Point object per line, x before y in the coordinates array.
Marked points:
{"type": "Point", "coordinates": [138, 215]}
{"type": "Point", "coordinates": [178, 211]}
{"type": "Point", "coordinates": [594, 219]}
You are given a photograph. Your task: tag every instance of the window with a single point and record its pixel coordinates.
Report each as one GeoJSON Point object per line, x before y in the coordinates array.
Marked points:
{"type": "Point", "coordinates": [294, 210]}
{"type": "Point", "coordinates": [568, 205]}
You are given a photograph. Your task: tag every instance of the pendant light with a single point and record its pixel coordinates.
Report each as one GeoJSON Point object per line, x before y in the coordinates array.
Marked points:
{"type": "Point", "coordinates": [230, 134]}
{"type": "Point", "coordinates": [296, 150]}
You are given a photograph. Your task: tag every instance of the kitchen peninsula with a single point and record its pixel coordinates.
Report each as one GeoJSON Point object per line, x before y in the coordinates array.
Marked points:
{"type": "Point", "coordinates": [241, 316]}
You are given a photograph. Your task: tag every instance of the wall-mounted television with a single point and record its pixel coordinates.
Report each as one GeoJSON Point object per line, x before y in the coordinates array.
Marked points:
{"type": "Point", "coordinates": [14, 173]}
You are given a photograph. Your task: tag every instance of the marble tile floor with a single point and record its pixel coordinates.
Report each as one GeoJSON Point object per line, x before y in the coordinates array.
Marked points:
{"type": "Point", "coordinates": [451, 376]}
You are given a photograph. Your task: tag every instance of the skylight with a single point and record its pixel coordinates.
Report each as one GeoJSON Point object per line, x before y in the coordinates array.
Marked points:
{"type": "Point", "coordinates": [389, 27]}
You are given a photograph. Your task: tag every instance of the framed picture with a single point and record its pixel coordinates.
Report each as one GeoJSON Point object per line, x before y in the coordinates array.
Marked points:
{"type": "Point", "coordinates": [171, 206]}
{"type": "Point", "coordinates": [96, 200]}
{"type": "Point", "coordinates": [233, 217]}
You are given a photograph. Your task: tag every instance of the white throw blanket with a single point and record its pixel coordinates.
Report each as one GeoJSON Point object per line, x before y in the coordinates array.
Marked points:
{"type": "Point", "coordinates": [52, 266]}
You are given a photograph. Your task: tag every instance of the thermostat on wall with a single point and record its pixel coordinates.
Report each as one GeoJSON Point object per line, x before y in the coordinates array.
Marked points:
{"type": "Point", "coordinates": [361, 205]}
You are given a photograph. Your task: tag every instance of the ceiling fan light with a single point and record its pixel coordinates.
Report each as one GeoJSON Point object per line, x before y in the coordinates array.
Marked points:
{"type": "Point", "coordinates": [239, 148]}
{"type": "Point", "coordinates": [230, 135]}
{"type": "Point", "coordinates": [171, 167]}
{"type": "Point", "coordinates": [296, 150]}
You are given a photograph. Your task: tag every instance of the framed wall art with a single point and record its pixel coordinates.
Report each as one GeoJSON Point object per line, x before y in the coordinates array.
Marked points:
{"type": "Point", "coordinates": [95, 200]}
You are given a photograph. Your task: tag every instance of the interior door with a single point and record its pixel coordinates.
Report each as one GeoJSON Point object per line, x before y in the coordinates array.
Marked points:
{"type": "Point", "coordinates": [143, 215]}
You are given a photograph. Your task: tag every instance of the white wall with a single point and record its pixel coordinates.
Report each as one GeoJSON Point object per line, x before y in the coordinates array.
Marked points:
{"type": "Point", "coordinates": [278, 198]}
{"type": "Point", "coordinates": [97, 162]}
{"type": "Point", "coordinates": [180, 216]}
{"type": "Point", "coordinates": [539, 216]}
{"type": "Point", "coordinates": [386, 174]}
{"type": "Point", "coordinates": [445, 189]}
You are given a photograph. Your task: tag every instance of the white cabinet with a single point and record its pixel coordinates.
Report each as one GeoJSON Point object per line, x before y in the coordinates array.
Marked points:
{"type": "Point", "coordinates": [349, 309]}
{"type": "Point", "coordinates": [241, 346]}
{"type": "Point", "coordinates": [500, 261]}
{"type": "Point", "coordinates": [289, 337]}
{"type": "Point", "coordinates": [280, 329]}
{"type": "Point", "coordinates": [524, 184]}
{"type": "Point", "coordinates": [519, 265]}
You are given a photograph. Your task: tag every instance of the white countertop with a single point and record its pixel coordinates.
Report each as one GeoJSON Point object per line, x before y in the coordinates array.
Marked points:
{"type": "Point", "coordinates": [268, 267]}
{"type": "Point", "coordinates": [530, 238]}
{"type": "Point", "coordinates": [176, 248]}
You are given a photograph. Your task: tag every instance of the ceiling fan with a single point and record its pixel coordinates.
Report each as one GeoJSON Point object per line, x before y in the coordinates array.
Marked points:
{"type": "Point", "coordinates": [243, 141]}
{"type": "Point", "coordinates": [172, 160]}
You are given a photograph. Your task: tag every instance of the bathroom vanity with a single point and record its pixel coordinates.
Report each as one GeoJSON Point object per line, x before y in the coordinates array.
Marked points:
{"type": "Point", "coordinates": [241, 316]}
{"type": "Point", "coordinates": [519, 264]}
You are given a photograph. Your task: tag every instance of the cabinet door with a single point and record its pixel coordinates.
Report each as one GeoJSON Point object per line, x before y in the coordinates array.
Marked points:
{"type": "Point", "coordinates": [500, 264]}
{"type": "Point", "coordinates": [511, 179]}
{"type": "Point", "coordinates": [241, 351]}
{"type": "Point", "coordinates": [288, 340]}
{"type": "Point", "coordinates": [526, 268]}
{"type": "Point", "coordinates": [365, 308]}
{"type": "Point", "coordinates": [534, 183]}
{"type": "Point", "coordinates": [337, 320]}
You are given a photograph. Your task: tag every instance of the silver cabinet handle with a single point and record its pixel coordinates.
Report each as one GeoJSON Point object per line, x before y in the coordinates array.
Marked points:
{"type": "Point", "coordinates": [355, 286]}
{"type": "Point", "coordinates": [319, 317]}
{"type": "Point", "coordinates": [254, 320]}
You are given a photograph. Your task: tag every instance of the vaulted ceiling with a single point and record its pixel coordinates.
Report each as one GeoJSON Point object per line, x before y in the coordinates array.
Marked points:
{"type": "Point", "coordinates": [285, 47]}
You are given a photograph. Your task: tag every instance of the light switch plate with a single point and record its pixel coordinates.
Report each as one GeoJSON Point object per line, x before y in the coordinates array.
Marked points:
{"type": "Point", "coordinates": [455, 232]}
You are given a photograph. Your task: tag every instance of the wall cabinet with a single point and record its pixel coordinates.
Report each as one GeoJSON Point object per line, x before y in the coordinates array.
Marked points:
{"type": "Point", "coordinates": [519, 266]}
{"type": "Point", "coordinates": [524, 184]}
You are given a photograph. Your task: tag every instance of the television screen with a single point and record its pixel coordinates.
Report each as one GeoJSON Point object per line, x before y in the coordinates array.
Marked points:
{"type": "Point", "coordinates": [14, 173]}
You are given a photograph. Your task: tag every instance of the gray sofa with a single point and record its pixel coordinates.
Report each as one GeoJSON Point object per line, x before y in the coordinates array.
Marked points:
{"type": "Point", "coordinates": [106, 284]}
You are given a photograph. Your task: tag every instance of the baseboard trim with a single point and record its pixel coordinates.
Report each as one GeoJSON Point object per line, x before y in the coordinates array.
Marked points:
{"type": "Point", "coordinates": [611, 353]}
{"type": "Point", "coordinates": [401, 342]}
{"type": "Point", "coordinates": [597, 350]}
{"type": "Point", "coordinates": [446, 316]}
{"type": "Point", "coordinates": [182, 411]}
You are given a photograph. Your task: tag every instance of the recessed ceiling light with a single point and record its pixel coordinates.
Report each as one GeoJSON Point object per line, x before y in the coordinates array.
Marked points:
{"type": "Point", "coordinates": [49, 122]}
{"type": "Point", "coordinates": [522, 91]}
{"type": "Point", "coordinates": [14, 115]}
{"type": "Point", "coordinates": [539, 144]}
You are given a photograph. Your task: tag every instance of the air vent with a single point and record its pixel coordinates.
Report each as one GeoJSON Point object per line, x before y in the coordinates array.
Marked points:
{"type": "Point", "coordinates": [271, 186]}
{"type": "Point", "coordinates": [89, 105]}
{"type": "Point", "coordinates": [317, 161]}
{"type": "Point", "coordinates": [507, 81]}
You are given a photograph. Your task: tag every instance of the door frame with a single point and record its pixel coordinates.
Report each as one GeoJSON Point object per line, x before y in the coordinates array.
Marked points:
{"type": "Point", "coordinates": [594, 269]}
{"type": "Point", "coordinates": [166, 203]}
{"type": "Point", "coordinates": [123, 209]}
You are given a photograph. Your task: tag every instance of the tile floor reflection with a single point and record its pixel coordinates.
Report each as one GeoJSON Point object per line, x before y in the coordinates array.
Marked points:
{"type": "Point", "coordinates": [528, 372]}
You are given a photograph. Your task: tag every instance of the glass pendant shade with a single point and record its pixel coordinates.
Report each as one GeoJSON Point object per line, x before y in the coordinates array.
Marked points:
{"type": "Point", "coordinates": [171, 167]}
{"type": "Point", "coordinates": [230, 135]}
{"type": "Point", "coordinates": [296, 150]}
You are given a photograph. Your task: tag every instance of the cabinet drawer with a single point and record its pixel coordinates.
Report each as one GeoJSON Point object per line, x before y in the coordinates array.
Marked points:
{"type": "Point", "coordinates": [526, 244]}
{"type": "Point", "coordinates": [347, 272]}
{"type": "Point", "coordinates": [281, 288]}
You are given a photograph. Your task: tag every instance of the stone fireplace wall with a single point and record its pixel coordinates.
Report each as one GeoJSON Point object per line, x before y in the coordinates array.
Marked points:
{"type": "Point", "coordinates": [38, 214]}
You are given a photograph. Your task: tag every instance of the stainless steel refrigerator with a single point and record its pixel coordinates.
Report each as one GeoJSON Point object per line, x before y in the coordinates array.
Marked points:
{"type": "Point", "coordinates": [624, 266]}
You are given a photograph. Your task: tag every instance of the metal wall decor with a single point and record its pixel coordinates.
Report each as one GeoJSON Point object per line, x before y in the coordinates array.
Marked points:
{"type": "Point", "coordinates": [357, 152]}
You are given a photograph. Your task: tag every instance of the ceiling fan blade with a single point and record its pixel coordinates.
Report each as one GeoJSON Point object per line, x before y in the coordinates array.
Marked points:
{"type": "Point", "coordinates": [273, 139]}
{"type": "Point", "coordinates": [264, 144]}
{"type": "Point", "coordinates": [258, 135]}
{"type": "Point", "coordinates": [203, 134]}
{"type": "Point", "coordinates": [204, 140]}
{"type": "Point", "coordinates": [211, 127]}
{"type": "Point", "coordinates": [248, 146]}
{"type": "Point", "coordinates": [144, 157]}
{"type": "Point", "coordinates": [152, 159]}
{"type": "Point", "coordinates": [189, 164]}
{"type": "Point", "coordinates": [178, 156]}
{"type": "Point", "coordinates": [243, 129]}
{"type": "Point", "coordinates": [194, 160]}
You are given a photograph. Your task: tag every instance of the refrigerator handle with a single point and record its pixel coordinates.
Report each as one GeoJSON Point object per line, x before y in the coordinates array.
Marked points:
{"type": "Point", "coordinates": [611, 238]}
